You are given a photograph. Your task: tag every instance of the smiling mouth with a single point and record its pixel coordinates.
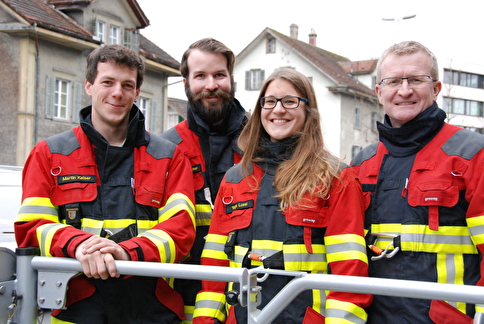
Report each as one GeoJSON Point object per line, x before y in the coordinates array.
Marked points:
{"type": "Point", "coordinates": [406, 103]}
{"type": "Point", "coordinates": [280, 121]}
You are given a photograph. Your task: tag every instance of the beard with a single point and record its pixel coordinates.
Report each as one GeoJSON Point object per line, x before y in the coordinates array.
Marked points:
{"type": "Point", "coordinates": [215, 112]}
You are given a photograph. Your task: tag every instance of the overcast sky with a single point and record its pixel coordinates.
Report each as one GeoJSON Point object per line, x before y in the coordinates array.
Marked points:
{"type": "Point", "coordinates": [351, 28]}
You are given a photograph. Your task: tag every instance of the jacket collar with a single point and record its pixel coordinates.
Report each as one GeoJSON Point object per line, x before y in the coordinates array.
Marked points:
{"type": "Point", "coordinates": [414, 134]}
{"type": "Point", "coordinates": [137, 136]}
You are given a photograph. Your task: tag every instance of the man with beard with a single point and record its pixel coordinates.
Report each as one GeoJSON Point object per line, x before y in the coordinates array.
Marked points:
{"type": "Point", "coordinates": [208, 137]}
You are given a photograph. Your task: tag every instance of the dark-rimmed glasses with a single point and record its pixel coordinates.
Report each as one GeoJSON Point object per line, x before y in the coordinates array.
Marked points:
{"type": "Point", "coordinates": [288, 102]}
{"type": "Point", "coordinates": [413, 81]}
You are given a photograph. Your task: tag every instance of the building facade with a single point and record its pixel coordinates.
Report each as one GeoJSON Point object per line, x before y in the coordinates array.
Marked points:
{"type": "Point", "coordinates": [43, 49]}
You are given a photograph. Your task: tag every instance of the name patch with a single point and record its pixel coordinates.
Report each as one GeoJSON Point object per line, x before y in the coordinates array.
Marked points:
{"type": "Point", "coordinates": [76, 178]}
{"type": "Point", "coordinates": [239, 206]}
{"type": "Point", "coordinates": [196, 168]}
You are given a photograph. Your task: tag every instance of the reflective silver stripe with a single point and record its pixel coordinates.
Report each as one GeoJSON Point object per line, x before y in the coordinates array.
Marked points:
{"type": "Point", "coordinates": [345, 247]}
{"type": "Point", "coordinates": [344, 315]}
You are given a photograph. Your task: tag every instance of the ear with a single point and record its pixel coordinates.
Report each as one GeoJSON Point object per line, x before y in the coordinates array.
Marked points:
{"type": "Point", "coordinates": [378, 93]}
{"type": "Point", "coordinates": [184, 81]}
{"type": "Point", "coordinates": [436, 90]}
{"type": "Point", "coordinates": [137, 94]}
{"type": "Point", "coordinates": [87, 87]}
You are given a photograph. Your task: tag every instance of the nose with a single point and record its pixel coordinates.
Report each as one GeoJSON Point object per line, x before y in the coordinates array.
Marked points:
{"type": "Point", "coordinates": [405, 89]}
{"type": "Point", "coordinates": [117, 90]}
{"type": "Point", "coordinates": [211, 84]}
{"type": "Point", "coordinates": [279, 108]}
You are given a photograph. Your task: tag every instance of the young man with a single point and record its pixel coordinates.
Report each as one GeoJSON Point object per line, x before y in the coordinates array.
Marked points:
{"type": "Point", "coordinates": [107, 190]}
{"type": "Point", "coordinates": [425, 185]}
{"type": "Point", "coordinates": [208, 136]}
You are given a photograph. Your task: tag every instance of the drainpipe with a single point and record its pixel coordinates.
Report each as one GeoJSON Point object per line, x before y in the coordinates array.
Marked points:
{"type": "Point", "coordinates": [37, 78]}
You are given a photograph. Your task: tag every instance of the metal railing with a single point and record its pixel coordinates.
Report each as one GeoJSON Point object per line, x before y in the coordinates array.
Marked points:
{"type": "Point", "coordinates": [47, 287]}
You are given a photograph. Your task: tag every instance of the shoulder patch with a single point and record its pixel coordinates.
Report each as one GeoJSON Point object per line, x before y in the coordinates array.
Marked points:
{"type": "Point", "coordinates": [160, 148]}
{"type": "Point", "coordinates": [172, 135]}
{"type": "Point", "coordinates": [63, 143]}
{"type": "Point", "coordinates": [464, 143]}
{"type": "Point", "coordinates": [365, 154]}
{"type": "Point", "coordinates": [234, 174]}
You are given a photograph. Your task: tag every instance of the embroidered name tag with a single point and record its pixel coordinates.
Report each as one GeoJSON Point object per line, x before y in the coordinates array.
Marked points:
{"type": "Point", "coordinates": [239, 206]}
{"type": "Point", "coordinates": [76, 178]}
{"type": "Point", "coordinates": [196, 168]}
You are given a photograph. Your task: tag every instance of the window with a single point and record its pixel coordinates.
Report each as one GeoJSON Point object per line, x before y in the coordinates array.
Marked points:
{"type": "Point", "coordinates": [355, 149]}
{"type": "Point", "coordinates": [254, 79]}
{"type": "Point", "coordinates": [61, 99]}
{"type": "Point", "coordinates": [114, 35]}
{"type": "Point", "coordinates": [271, 45]}
{"type": "Point", "coordinates": [373, 121]}
{"type": "Point", "coordinates": [101, 30]}
{"type": "Point", "coordinates": [131, 39]}
{"type": "Point", "coordinates": [144, 106]}
{"type": "Point", "coordinates": [357, 118]}
{"type": "Point", "coordinates": [463, 107]}
{"type": "Point", "coordinates": [173, 119]}
{"type": "Point", "coordinates": [464, 79]}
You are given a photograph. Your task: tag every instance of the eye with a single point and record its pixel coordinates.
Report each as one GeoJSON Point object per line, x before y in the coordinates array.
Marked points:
{"type": "Point", "coordinates": [393, 81]}
{"type": "Point", "coordinates": [290, 100]}
{"type": "Point", "coordinates": [270, 101]}
{"type": "Point", "coordinates": [416, 79]}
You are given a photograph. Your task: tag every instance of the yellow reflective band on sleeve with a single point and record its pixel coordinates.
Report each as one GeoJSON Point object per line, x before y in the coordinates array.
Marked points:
{"type": "Point", "coordinates": [214, 247]}
{"type": "Point", "coordinates": [239, 254]}
{"type": "Point", "coordinates": [420, 238]}
{"type": "Point", "coordinates": [210, 304]}
{"type": "Point", "coordinates": [92, 226]}
{"type": "Point", "coordinates": [163, 242]}
{"type": "Point", "coordinates": [174, 204]}
{"type": "Point", "coordinates": [338, 311]}
{"type": "Point", "coordinates": [188, 310]}
{"type": "Point", "coordinates": [345, 247]}
{"type": "Point", "coordinates": [45, 233]}
{"type": "Point", "coordinates": [480, 308]}
{"type": "Point", "coordinates": [37, 207]}
{"type": "Point", "coordinates": [203, 214]}
{"type": "Point", "coordinates": [476, 228]}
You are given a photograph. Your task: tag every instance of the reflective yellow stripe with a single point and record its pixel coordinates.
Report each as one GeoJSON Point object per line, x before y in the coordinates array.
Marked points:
{"type": "Point", "coordinates": [240, 253]}
{"type": "Point", "coordinates": [450, 269]}
{"type": "Point", "coordinates": [54, 320]}
{"type": "Point", "coordinates": [265, 248]}
{"type": "Point", "coordinates": [338, 311]}
{"type": "Point", "coordinates": [346, 247]}
{"type": "Point", "coordinates": [214, 247]}
{"type": "Point", "coordinates": [37, 207]}
{"type": "Point", "coordinates": [476, 227]}
{"type": "Point", "coordinates": [210, 304]}
{"type": "Point", "coordinates": [174, 204]}
{"type": "Point", "coordinates": [319, 301]}
{"type": "Point", "coordinates": [419, 238]}
{"type": "Point", "coordinates": [92, 226]}
{"type": "Point", "coordinates": [297, 258]}
{"type": "Point", "coordinates": [163, 242]}
{"type": "Point", "coordinates": [45, 233]}
{"type": "Point", "coordinates": [480, 308]}
{"type": "Point", "coordinates": [203, 214]}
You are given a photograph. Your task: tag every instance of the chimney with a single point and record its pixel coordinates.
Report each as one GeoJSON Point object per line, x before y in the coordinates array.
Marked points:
{"type": "Point", "coordinates": [293, 31]}
{"type": "Point", "coordinates": [312, 37]}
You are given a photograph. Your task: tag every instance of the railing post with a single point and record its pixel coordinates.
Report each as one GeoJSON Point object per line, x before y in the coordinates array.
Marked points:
{"type": "Point", "coordinates": [26, 286]}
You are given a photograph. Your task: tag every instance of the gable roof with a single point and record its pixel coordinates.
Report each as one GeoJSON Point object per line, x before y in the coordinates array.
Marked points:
{"type": "Point", "coordinates": [152, 52]}
{"type": "Point", "coordinates": [359, 67]}
{"type": "Point", "coordinates": [41, 14]}
{"type": "Point", "coordinates": [178, 105]}
{"type": "Point", "coordinates": [45, 15]}
{"type": "Point", "coordinates": [324, 61]}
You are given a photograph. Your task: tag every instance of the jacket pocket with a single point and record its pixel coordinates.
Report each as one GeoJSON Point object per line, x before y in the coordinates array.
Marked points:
{"type": "Point", "coordinates": [317, 216]}
{"type": "Point", "coordinates": [433, 193]}
{"type": "Point", "coordinates": [73, 192]}
{"type": "Point", "coordinates": [237, 219]}
{"type": "Point", "coordinates": [150, 195]}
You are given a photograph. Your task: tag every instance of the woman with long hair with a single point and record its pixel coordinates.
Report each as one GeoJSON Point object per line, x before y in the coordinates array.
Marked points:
{"type": "Point", "coordinates": [290, 204]}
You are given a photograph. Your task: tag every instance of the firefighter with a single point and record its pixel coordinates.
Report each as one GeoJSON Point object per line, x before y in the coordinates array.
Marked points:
{"type": "Point", "coordinates": [290, 205]}
{"type": "Point", "coordinates": [208, 137]}
{"type": "Point", "coordinates": [424, 179]}
{"type": "Point", "coordinates": [107, 190]}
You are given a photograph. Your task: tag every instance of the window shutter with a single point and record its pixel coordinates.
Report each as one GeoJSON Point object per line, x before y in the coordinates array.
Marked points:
{"type": "Point", "coordinates": [76, 102]}
{"type": "Point", "coordinates": [262, 78]}
{"type": "Point", "coordinates": [153, 113]}
{"type": "Point", "coordinates": [94, 29]}
{"type": "Point", "coordinates": [247, 80]}
{"type": "Point", "coordinates": [49, 96]}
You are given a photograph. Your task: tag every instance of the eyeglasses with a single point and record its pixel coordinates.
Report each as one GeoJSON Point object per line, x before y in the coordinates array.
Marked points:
{"type": "Point", "coordinates": [288, 102]}
{"type": "Point", "coordinates": [413, 81]}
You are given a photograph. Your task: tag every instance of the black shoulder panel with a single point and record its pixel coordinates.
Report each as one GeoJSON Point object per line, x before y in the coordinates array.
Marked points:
{"type": "Point", "coordinates": [160, 148]}
{"type": "Point", "coordinates": [365, 154]}
{"type": "Point", "coordinates": [172, 135]}
{"type": "Point", "coordinates": [464, 143]}
{"type": "Point", "coordinates": [63, 143]}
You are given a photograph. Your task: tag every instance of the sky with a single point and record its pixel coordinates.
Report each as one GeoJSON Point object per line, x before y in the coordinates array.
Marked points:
{"type": "Point", "coordinates": [352, 28]}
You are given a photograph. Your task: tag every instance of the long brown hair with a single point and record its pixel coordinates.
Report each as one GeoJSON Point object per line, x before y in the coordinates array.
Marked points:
{"type": "Point", "coordinates": [312, 168]}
